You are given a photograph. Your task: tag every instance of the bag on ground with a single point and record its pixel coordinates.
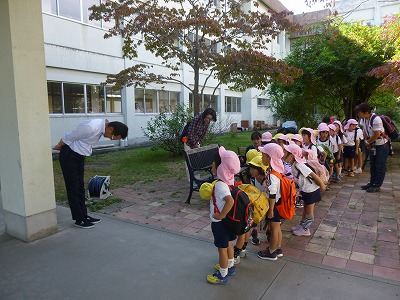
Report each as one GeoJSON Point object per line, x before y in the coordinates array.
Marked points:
{"type": "Point", "coordinates": [259, 200]}
{"type": "Point", "coordinates": [240, 218]}
{"type": "Point", "coordinates": [285, 205]}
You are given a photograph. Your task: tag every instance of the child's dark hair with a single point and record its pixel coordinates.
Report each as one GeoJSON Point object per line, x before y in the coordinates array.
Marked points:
{"type": "Point", "coordinates": [306, 132]}
{"type": "Point", "coordinates": [119, 129]}
{"type": "Point", "coordinates": [210, 111]}
{"type": "Point", "coordinates": [217, 159]}
{"type": "Point", "coordinates": [259, 169]}
{"type": "Point", "coordinates": [255, 135]}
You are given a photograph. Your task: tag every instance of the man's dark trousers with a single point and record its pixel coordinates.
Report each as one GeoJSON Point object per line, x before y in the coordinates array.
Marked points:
{"type": "Point", "coordinates": [73, 168]}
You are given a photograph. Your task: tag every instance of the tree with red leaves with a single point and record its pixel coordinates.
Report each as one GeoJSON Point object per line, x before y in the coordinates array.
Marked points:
{"type": "Point", "coordinates": [390, 71]}
{"type": "Point", "coordinates": [225, 42]}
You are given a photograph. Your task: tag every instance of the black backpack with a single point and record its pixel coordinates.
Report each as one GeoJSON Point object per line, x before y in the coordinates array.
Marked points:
{"type": "Point", "coordinates": [239, 219]}
{"type": "Point", "coordinates": [184, 132]}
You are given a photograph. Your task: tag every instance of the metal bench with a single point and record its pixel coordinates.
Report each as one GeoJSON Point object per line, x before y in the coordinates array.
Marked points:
{"type": "Point", "coordinates": [199, 162]}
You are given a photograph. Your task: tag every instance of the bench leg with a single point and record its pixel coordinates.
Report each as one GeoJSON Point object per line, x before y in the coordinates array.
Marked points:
{"type": "Point", "coordinates": [190, 192]}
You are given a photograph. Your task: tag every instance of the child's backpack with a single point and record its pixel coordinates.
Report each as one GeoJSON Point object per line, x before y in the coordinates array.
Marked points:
{"type": "Point", "coordinates": [285, 205]}
{"type": "Point", "coordinates": [320, 170]}
{"type": "Point", "coordinates": [239, 219]}
{"type": "Point", "coordinates": [391, 131]}
{"type": "Point", "coordinates": [259, 200]}
{"type": "Point", "coordinates": [184, 132]}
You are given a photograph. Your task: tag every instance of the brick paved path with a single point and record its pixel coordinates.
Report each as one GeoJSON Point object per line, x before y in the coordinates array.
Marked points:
{"type": "Point", "coordinates": [353, 229]}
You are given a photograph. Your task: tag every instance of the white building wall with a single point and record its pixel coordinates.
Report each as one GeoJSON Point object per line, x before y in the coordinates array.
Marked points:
{"type": "Point", "coordinates": [76, 52]}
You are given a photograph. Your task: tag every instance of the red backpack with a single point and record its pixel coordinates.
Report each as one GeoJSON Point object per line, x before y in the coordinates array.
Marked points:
{"type": "Point", "coordinates": [285, 205]}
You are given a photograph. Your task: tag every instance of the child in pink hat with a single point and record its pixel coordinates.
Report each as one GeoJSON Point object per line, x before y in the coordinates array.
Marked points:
{"type": "Point", "coordinates": [297, 139]}
{"type": "Point", "coordinates": [310, 186]}
{"type": "Point", "coordinates": [350, 151]}
{"type": "Point", "coordinates": [309, 142]}
{"type": "Point", "coordinates": [227, 164]}
{"type": "Point", "coordinates": [272, 156]}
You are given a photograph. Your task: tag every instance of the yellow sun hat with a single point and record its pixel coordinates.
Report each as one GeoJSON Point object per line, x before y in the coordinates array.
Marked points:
{"type": "Point", "coordinates": [257, 162]}
{"type": "Point", "coordinates": [206, 190]}
{"type": "Point", "coordinates": [251, 154]}
{"type": "Point", "coordinates": [276, 136]}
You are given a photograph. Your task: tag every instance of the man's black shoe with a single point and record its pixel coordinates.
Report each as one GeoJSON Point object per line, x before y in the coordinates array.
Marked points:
{"type": "Point", "coordinates": [84, 224]}
{"type": "Point", "coordinates": [93, 220]}
{"type": "Point", "coordinates": [373, 189]}
{"type": "Point", "coordinates": [366, 187]}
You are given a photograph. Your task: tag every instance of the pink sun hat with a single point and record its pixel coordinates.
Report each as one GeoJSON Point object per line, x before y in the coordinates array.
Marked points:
{"type": "Point", "coordinates": [230, 165]}
{"type": "Point", "coordinates": [296, 151]}
{"type": "Point", "coordinates": [320, 125]}
{"type": "Point", "coordinates": [323, 127]}
{"type": "Point", "coordinates": [283, 137]}
{"type": "Point", "coordinates": [312, 138]}
{"type": "Point", "coordinates": [339, 124]}
{"type": "Point", "coordinates": [297, 137]}
{"type": "Point", "coordinates": [331, 126]}
{"type": "Point", "coordinates": [276, 153]}
{"type": "Point", "coordinates": [266, 137]}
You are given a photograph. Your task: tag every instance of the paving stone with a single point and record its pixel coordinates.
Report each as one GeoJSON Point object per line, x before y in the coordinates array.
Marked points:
{"type": "Point", "coordinates": [362, 257]}
{"type": "Point", "coordinates": [345, 254]}
{"type": "Point", "coordinates": [317, 248]}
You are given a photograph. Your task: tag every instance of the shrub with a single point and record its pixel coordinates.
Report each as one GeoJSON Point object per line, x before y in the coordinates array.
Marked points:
{"type": "Point", "coordinates": [164, 130]}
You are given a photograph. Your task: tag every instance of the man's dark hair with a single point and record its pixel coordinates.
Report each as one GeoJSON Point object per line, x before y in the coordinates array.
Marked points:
{"type": "Point", "coordinates": [209, 111]}
{"type": "Point", "coordinates": [364, 108]}
{"type": "Point", "coordinates": [119, 129]}
{"type": "Point", "coordinates": [255, 135]}
{"type": "Point", "coordinates": [326, 119]}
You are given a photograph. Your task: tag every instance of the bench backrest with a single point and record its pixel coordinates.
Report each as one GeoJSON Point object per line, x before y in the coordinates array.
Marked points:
{"type": "Point", "coordinates": [201, 158]}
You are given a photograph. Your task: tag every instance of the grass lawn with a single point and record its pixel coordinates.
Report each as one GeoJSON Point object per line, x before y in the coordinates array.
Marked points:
{"type": "Point", "coordinates": [140, 164]}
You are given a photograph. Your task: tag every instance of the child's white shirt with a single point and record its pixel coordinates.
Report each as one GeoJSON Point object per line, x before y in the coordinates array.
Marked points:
{"type": "Point", "coordinates": [274, 186]}
{"type": "Point", "coordinates": [336, 141]}
{"type": "Point", "coordinates": [221, 190]}
{"type": "Point", "coordinates": [302, 172]}
{"type": "Point", "coordinates": [360, 134]}
{"type": "Point", "coordinates": [310, 147]}
{"type": "Point", "coordinates": [260, 186]}
{"type": "Point", "coordinates": [350, 138]}
{"type": "Point", "coordinates": [327, 143]}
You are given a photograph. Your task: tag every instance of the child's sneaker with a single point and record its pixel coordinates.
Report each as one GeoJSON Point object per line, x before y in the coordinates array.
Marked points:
{"type": "Point", "coordinates": [217, 278]}
{"type": "Point", "coordinates": [302, 232]}
{"type": "Point", "coordinates": [243, 253]}
{"type": "Point", "coordinates": [254, 238]}
{"type": "Point", "coordinates": [299, 204]}
{"type": "Point", "coordinates": [231, 270]}
{"type": "Point", "coordinates": [267, 255]}
{"type": "Point", "coordinates": [294, 228]}
{"type": "Point", "coordinates": [278, 252]}
{"type": "Point", "coordinates": [337, 180]}
{"type": "Point", "coordinates": [237, 260]}
{"type": "Point", "coordinates": [358, 171]}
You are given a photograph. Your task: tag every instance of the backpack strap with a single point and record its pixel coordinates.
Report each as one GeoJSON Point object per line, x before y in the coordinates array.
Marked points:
{"type": "Point", "coordinates": [216, 209]}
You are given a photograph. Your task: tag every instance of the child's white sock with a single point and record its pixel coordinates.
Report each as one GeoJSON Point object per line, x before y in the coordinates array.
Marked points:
{"type": "Point", "coordinates": [231, 262]}
{"type": "Point", "coordinates": [223, 271]}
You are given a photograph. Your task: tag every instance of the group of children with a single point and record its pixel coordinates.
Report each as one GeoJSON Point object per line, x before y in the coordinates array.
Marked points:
{"type": "Point", "coordinates": [293, 156]}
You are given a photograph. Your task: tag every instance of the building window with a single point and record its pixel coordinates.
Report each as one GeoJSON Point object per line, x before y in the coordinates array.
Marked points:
{"type": "Point", "coordinates": [233, 104]}
{"type": "Point", "coordinates": [70, 9]}
{"type": "Point", "coordinates": [86, 13]}
{"type": "Point", "coordinates": [153, 101]}
{"type": "Point", "coordinates": [75, 98]}
{"type": "Point", "coordinates": [113, 100]}
{"type": "Point", "coordinates": [263, 102]}
{"type": "Point", "coordinates": [95, 98]}
{"type": "Point", "coordinates": [54, 97]}
{"type": "Point", "coordinates": [206, 102]}
{"type": "Point", "coordinates": [76, 10]}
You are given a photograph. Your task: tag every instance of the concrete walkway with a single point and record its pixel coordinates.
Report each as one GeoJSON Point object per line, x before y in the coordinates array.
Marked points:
{"type": "Point", "coordinates": [126, 260]}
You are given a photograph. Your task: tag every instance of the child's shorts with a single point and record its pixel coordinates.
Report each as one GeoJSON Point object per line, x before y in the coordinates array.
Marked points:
{"type": "Point", "coordinates": [221, 236]}
{"type": "Point", "coordinates": [362, 146]}
{"type": "Point", "coordinates": [276, 218]}
{"type": "Point", "coordinates": [349, 151]}
{"type": "Point", "coordinates": [311, 198]}
{"type": "Point", "coordinates": [336, 157]}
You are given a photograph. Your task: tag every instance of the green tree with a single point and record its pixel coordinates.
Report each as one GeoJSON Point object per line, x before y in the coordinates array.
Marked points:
{"type": "Point", "coordinates": [227, 41]}
{"type": "Point", "coordinates": [335, 64]}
